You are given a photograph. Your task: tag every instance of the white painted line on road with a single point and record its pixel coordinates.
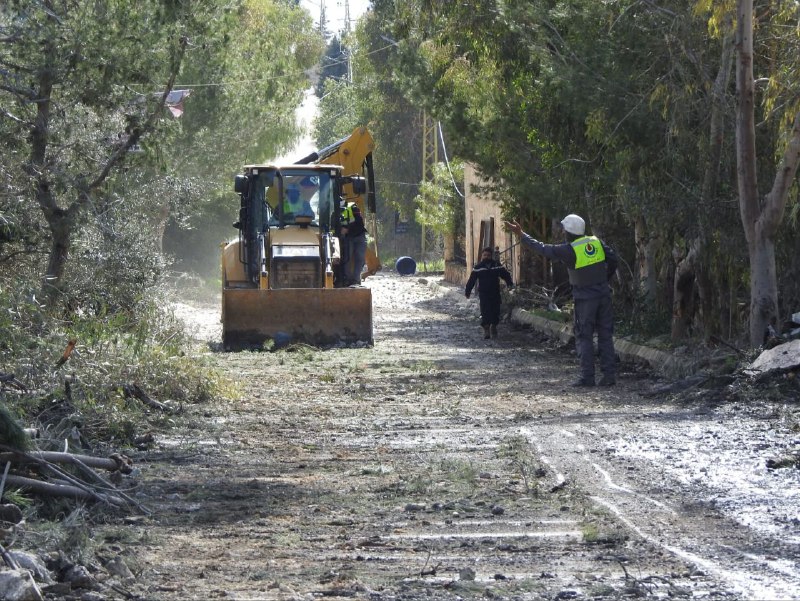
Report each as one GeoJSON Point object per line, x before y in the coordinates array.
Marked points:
{"type": "Point", "coordinates": [613, 485]}
{"type": "Point", "coordinates": [577, 534]}
{"type": "Point", "coordinates": [740, 580]}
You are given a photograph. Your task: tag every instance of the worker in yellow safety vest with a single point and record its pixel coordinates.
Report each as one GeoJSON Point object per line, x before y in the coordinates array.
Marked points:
{"type": "Point", "coordinates": [353, 240]}
{"type": "Point", "coordinates": [590, 264]}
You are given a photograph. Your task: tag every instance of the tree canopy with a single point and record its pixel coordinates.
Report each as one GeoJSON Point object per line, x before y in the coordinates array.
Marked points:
{"type": "Point", "coordinates": [623, 112]}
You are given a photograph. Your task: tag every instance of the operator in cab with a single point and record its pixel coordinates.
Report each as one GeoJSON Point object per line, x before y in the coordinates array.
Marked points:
{"type": "Point", "coordinates": [292, 203]}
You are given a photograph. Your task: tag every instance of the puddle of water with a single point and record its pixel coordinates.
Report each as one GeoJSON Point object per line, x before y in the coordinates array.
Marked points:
{"type": "Point", "coordinates": [180, 442]}
{"type": "Point", "coordinates": [732, 468]}
{"type": "Point", "coordinates": [495, 523]}
{"type": "Point", "coordinates": [577, 534]}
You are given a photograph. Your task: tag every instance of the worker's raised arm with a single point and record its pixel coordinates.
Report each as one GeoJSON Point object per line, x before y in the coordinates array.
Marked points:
{"type": "Point", "coordinates": [513, 226]}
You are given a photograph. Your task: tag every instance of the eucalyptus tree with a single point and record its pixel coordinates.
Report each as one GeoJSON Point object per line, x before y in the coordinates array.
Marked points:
{"type": "Point", "coordinates": [440, 202]}
{"type": "Point", "coordinates": [338, 112]}
{"type": "Point", "coordinates": [247, 88]}
{"type": "Point", "coordinates": [373, 98]}
{"type": "Point", "coordinates": [394, 116]}
{"type": "Point", "coordinates": [549, 99]}
{"type": "Point", "coordinates": [762, 210]}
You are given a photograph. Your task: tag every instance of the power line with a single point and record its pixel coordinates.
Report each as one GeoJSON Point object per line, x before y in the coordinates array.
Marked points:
{"type": "Point", "coordinates": [248, 81]}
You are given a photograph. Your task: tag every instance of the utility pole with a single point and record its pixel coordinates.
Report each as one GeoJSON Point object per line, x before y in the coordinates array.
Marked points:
{"type": "Point", "coordinates": [430, 156]}
{"type": "Point", "coordinates": [346, 36]}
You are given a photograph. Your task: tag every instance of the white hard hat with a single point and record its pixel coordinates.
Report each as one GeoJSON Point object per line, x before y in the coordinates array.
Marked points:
{"type": "Point", "coordinates": [574, 224]}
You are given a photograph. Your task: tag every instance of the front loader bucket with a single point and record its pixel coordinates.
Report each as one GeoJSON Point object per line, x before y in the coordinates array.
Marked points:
{"type": "Point", "coordinates": [317, 316]}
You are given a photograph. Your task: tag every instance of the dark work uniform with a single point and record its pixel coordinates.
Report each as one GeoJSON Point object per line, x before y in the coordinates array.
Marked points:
{"type": "Point", "coordinates": [487, 274]}
{"type": "Point", "coordinates": [354, 244]}
{"type": "Point", "coordinates": [590, 290]}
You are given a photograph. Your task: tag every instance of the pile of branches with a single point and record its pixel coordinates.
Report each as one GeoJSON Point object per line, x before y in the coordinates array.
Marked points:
{"type": "Point", "coordinates": [27, 462]}
{"type": "Point", "coordinates": [64, 474]}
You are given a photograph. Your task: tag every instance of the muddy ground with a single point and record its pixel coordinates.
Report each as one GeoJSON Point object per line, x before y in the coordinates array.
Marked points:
{"type": "Point", "coordinates": [437, 465]}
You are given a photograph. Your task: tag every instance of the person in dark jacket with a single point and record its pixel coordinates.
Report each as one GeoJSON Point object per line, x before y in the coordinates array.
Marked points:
{"type": "Point", "coordinates": [353, 236]}
{"type": "Point", "coordinates": [591, 265]}
{"type": "Point", "coordinates": [487, 275]}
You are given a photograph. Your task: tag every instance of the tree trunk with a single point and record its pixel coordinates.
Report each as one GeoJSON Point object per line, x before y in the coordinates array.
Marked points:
{"type": "Point", "coordinates": [763, 288]}
{"type": "Point", "coordinates": [61, 223]}
{"type": "Point", "coordinates": [645, 260]}
{"type": "Point", "coordinates": [57, 218]}
{"type": "Point", "coordinates": [683, 305]}
{"type": "Point", "coordinates": [160, 226]}
{"type": "Point", "coordinates": [760, 222]}
{"type": "Point", "coordinates": [690, 281]}
{"type": "Point", "coordinates": [746, 151]}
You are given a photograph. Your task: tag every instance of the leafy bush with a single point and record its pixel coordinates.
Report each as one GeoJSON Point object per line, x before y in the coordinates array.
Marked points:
{"type": "Point", "coordinates": [84, 386]}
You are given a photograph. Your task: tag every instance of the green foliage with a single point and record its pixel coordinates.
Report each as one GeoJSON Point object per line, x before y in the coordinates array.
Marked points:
{"type": "Point", "coordinates": [606, 109]}
{"type": "Point", "coordinates": [643, 321]}
{"type": "Point", "coordinates": [11, 433]}
{"type": "Point", "coordinates": [439, 202]}
{"type": "Point", "coordinates": [338, 113]}
{"type": "Point", "coordinates": [378, 99]}
{"type": "Point", "coordinates": [144, 346]}
{"type": "Point", "coordinates": [522, 460]}
{"type": "Point", "coordinates": [67, 191]}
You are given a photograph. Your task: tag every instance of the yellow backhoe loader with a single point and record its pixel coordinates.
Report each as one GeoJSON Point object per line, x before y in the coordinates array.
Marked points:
{"type": "Point", "coordinates": [281, 278]}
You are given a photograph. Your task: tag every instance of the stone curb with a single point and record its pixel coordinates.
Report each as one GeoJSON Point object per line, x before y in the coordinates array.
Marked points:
{"type": "Point", "coordinates": [661, 361]}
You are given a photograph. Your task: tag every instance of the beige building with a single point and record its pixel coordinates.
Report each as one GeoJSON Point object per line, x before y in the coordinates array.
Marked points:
{"type": "Point", "coordinates": [483, 227]}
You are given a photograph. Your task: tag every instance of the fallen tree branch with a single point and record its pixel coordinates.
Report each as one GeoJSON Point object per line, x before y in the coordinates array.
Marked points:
{"type": "Point", "coordinates": [58, 473]}
{"type": "Point", "coordinates": [45, 459]}
{"type": "Point", "coordinates": [112, 464]}
{"type": "Point", "coordinates": [135, 391]}
{"type": "Point", "coordinates": [678, 386]}
{"type": "Point", "coordinates": [8, 558]}
{"type": "Point", "coordinates": [62, 490]}
{"type": "Point", "coordinates": [110, 487]}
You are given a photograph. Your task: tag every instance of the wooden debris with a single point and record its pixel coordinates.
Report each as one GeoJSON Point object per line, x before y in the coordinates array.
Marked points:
{"type": "Point", "coordinates": [67, 352]}
{"type": "Point", "coordinates": [678, 386]}
{"type": "Point", "coordinates": [135, 391]}
{"type": "Point", "coordinates": [88, 485]}
{"type": "Point", "coordinates": [63, 490]}
{"type": "Point", "coordinates": [113, 463]}
{"type": "Point", "coordinates": [10, 380]}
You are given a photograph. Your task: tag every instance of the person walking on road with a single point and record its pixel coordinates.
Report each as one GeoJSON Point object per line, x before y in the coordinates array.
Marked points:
{"type": "Point", "coordinates": [487, 274]}
{"type": "Point", "coordinates": [591, 264]}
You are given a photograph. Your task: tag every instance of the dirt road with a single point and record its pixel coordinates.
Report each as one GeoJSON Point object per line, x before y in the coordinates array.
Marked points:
{"type": "Point", "coordinates": [437, 465]}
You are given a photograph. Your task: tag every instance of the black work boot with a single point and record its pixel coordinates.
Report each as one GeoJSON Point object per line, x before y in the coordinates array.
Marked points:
{"type": "Point", "coordinates": [486, 333]}
{"type": "Point", "coordinates": [607, 381]}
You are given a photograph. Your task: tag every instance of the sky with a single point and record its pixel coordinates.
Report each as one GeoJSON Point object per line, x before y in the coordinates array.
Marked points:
{"type": "Point", "coordinates": [334, 9]}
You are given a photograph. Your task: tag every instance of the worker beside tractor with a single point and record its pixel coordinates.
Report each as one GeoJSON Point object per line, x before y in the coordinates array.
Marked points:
{"type": "Point", "coordinates": [353, 240]}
